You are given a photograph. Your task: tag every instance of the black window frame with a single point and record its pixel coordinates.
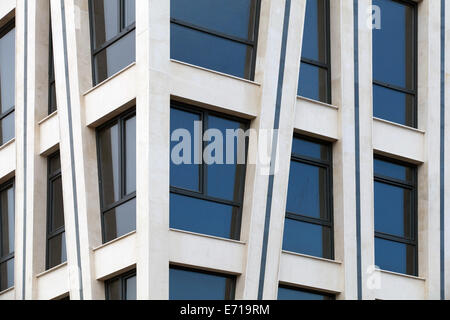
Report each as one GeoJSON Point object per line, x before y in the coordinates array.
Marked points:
{"type": "Point", "coordinates": [4, 259]}
{"type": "Point", "coordinates": [51, 177]}
{"type": "Point", "coordinates": [124, 31]}
{"type": "Point", "coordinates": [230, 290]}
{"type": "Point", "coordinates": [201, 194]}
{"type": "Point", "coordinates": [328, 166]}
{"type": "Point", "coordinates": [326, 295]}
{"type": "Point", "coordinates": [413, 187]}
{"type": "Point", "coordinates": [327, 65]}
{"type": "Point", "coordinates": [124, 198]}
{"type": "Point", "coordinates": [10, 25]}
{"type": "Point", "coordinates": [123, 283]}
{"type": "Point", "coordinates": [51, 72]}
{"type": "Point", "coordinates": [253, 44]}
{"type": "Point", "coordinates": [415, 65]}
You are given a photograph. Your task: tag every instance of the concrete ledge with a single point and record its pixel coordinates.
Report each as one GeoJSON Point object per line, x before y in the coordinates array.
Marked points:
{"type": "Point", "coordinates": [7, 159]}
{"type": "Point", "coordinates": [311, 272]}
{"type": "Point", "coordinates": [53, 283]}
{"type": "Point", "coordinates": [396, 286]}
{"type": "Point", "coordinates": [8, 294]}
{"type": "Point", "coordinates": [49, 134]}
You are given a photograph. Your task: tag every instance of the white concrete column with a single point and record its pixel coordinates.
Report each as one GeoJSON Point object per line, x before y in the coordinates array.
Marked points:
{"type": "Point", "coordinates": [344, 197]}
{"type": "Point", "coordinates": [284, 145]}
{"type": "Point", "coordinates": [447, 151]}
{"type": "Point", "coordinates": [255, 195]}
{"type": "Point", "coordinates": [153, 148]}
{"type": "Point", "coordinates": [77, 146]}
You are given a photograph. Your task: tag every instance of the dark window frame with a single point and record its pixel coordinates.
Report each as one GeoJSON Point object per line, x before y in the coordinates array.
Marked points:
{"type": "Point", "coordinates": [123, 283]}
{"type": "Point", "coordinates": [124, 198]}
{"type": "Point", "coordinates": [51, 177]}
{"type": "Point", "coordinates": [327, 65]}
{"type": "Point", "coordinates": [51, 73]}
{"type": "Point", "coordinates": [252, 43]}
{"type": "Point", "coordinates": [413, 187]}
{"type": "Point", "coordinates": [123, 31]}
{"type": "Point", "coordinates": [415, 64]}
{"type": "Point", "coordinates": [328, 166]}
{"type": "Point", "coordinates": [5, 258]}
{"type": "Point", "coordinates": [327, 295]}
{"type": "Point", "coordinates": [203, 178]}
{"type": "Point", "coordinates": [10, 25]}
{"type": "Point", "coordinates": [230, 290]}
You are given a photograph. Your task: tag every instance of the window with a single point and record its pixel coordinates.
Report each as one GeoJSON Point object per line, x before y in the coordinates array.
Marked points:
{"type": "Point", "coordinates": [215, 34]}
{"type": "Point", "coordinates": [206, 198]}
{"type": "Point", "coordinates": [394, 63]}
{"type": "Point", "coordinates": [52, 105]}
{"type": "Point", "coordinates": [116, 143]}
{"type": "Point", "coordinates": [7, 236]}
{"type": "Point", "coordinates": [186, 284]}
{"type": "Point", "coordinates": [290, 293]}
{"type": "Point", "coordinates": [315, 76]}
{"type": "Point", "coordinates": [7, 82]}
{"type": "Point", "coordinates": [56, 238]}
{"type": "Point", "coordinates": [395, 192]}
{"type": "Point", "coordinates": [308, 227]}
{"type": "Point", "coordinates": [113, 36]}
{"type": "Point", "coordinates": [122, 287]}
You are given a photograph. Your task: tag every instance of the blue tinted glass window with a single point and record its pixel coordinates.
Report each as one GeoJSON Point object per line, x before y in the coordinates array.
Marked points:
{"type": "Point", "coordinates": [206, 195]}
{"type": "Point", "coordinates": [215, 34]}
{"type": "Point", "coordinates": [394, 62]}
{"type": "Point", "coordinates": [191, 285]}
{"type": "Point", "coordinates": [285, 293]}
{"type": "Point", "coordinates": [7, 82]}
{"type": "Point", "coordinates": [7, 235]}
{"type": "Point", "coordinates": [395, 217]}
{"type": "Point", "coordinates": [308, 223]}
{"type": "Point", "coordinates": [114, 39]}
{"type": "Point", "coordinates": [314, 76]}
{"type": "Point", "coordinates": [122, 287]}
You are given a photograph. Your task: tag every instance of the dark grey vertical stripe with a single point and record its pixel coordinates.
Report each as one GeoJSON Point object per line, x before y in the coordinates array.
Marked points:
{"type": "Point", "coordinates": [274, 146]}
{"type": "Point", "coordinates": [25, 122]}
{"type": "Point", "coordinates": [357, 149]}
{"type": "Point", "coordinates": [72, 156]}
{"type": "Point", "coordinates": [442, 158]}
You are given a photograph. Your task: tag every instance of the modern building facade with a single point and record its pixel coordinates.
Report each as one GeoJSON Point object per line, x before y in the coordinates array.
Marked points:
{"type": "Point", "coordinates": [115, 182]}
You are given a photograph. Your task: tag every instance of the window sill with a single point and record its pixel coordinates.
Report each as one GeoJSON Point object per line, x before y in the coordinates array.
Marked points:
{"type": "Point", "coordinates": [115, 75]}
{"type": "Point", "coordinates": [129, 234]}
{"type": "Point", "coordinates": [207, 236]}
{"type": "Point", "coordinates": [323, 104]}
{"type": "Point", "coordinates": [401, 275]}
{"type": "Point", "coordinates": [398, 125]}
{"type": "Point", "coordinates": [215, 72]}
{"type": "Point", "coordinates": [311, 257]}
{"type": "Point", "coordinates": [6, 144]}
{"type": "Point", "coordinates": [6, 291]}
{"type": "Point", "coordinates": [51, 115]}
{"type": "Point", "coordinates": [59, 266]}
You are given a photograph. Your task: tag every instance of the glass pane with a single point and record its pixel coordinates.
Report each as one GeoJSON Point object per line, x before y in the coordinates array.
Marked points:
{"type": "Point", "coordinates": [114, 289]}
{"type": "Point", "coordinates": [131, 288]}
{"type": "Point", "coordinates": [395, 256]}
{"type": "Point", "coordinates": [232, 17]}
{"type": "Point", "coordinates": [208, 51]}
{"type": "Point", "coordinates": [312, 83]}
{"type": "Point", "coordinates": [297, 294]}
{"type": "Point", "coordinates": [315, 32]}
{"type": "Point", "coordinates": [57, 204]}
{"type": "Point", "coordinates": [109, 164]}
{"type": "Point", "coordinates": [55, 164]}
{"type": "Point", "coordinates": [201, 216]}
{"type": "Point", "coordinates": [106, 20]}
{"type": "Point", "coordinates": [310, 149]}
{"type": "Point", "coordinates": [130, 12]}
{"type": "Point", "coordinates": [189, 285]}
{"type": "Point", "coordinates": [307, 238]}
{"type": "Point", "coordinates": [57, 250]}
{"type": "Point", "coordinates": [130, 151]}
{"type": "Point", "coordinates": [224, 177]}
{"type": "Point", "coordinates": [393, 106]}
{"type": "Point", "coordinates": [183, 172]}
{"type": "Point", "coordinates": [7, 128]}
{"type": "Point", "coordinates": [7, 274]}
{"type": "Point", "coordinates": [307, 191]}
{"type": "Point", "coordinates": [7, 221]}
{"type": "Point", "coordinates": [120, 220]}
{"type": "Point", "coordinates": [393, 211]}
{"type": "Point", "coordinates": [52, 98]}
{"type": "Point", "coordinates": [393, 51]}
{"type": "Point", "coordinates": [393, 170]}
{"type": "Point", "coordinates": [116, 57]}
{"type": "Point", "coordinates": [7, 71]}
